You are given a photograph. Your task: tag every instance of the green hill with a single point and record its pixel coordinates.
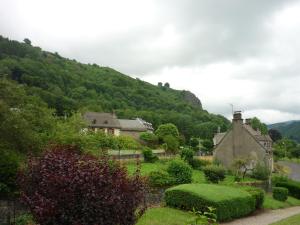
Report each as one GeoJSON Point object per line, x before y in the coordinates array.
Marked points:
{"type": "Point", "coordinates": [69, 86]}
{"type": "Point", "coordinates": [289, 129]}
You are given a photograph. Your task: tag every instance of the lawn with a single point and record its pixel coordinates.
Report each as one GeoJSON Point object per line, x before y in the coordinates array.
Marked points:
{"type": "Point", "coordinates": [198, 176]}
{"type": "Point", "coordinates": [271, 203]}
{"type": "Point", "coordinates": [164, 216]}
{"type": "Point", "coordinates": [293, 220]}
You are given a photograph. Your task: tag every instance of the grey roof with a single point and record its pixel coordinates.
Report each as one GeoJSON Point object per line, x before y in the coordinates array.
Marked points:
{"type": "Point", "coordinates": [135, 125]}
{"type": "Point", "coordinates": [218, 137]}
{"type": "Point", "coordinates": [257, 134]}
{"type": "Point", "coordinates": [102, 120]}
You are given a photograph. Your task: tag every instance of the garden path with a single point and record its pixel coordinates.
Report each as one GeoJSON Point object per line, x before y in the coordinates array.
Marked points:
{"type": "Point", "coordinates": [266, 217]}
{"type": "Point", "coordinates": [295, 169]}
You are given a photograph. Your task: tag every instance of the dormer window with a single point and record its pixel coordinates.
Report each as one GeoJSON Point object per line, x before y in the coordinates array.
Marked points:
{"type": "Point", "coordinates": [105, 122]}
{"type": "Point", "coordinates": [94, 121]}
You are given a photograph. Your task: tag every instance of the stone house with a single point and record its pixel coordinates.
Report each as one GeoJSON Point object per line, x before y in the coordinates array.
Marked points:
{"type": "Point", "coordinates": [243, 142]}
{"type": "Point", "coordinates": [110, 124]}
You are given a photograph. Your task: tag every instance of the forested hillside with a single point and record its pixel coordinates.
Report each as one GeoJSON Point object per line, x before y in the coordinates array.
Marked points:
{"type": "Point", "coordinates": [289, 129]}
{"type": "Point", "coordinates": [68, 86]}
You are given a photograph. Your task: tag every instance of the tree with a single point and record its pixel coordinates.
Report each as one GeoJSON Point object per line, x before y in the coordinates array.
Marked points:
{"type": "Point", "coordinates": [150, 139]}
{"type": "Point", "coordinates": [284, 147]}
{"type": "Point", "coordinates": [27, 41]}
{"type": "Point", "coordinates": [66, 187]}
{"type": "Point", "coordinates": [159, 84]}
{"type": "Point", "coordinates": [167, 85]}
{"type": "Point", "coordinates": [194, 142]}
{"type": "Point", "coordinates": [167, 129]}
{"type": "Point", "coordinates": [172, 143]}
{"type": "Point", "coordinates": [275, 135]}
{"type": "Point", "coordinates": [256, 124]}
{"type": "Point", "coordinates": [207, 145]}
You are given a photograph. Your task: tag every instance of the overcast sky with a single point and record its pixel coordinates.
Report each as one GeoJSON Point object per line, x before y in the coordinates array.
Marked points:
{"type": "Point", "coordinates": [243, 52]}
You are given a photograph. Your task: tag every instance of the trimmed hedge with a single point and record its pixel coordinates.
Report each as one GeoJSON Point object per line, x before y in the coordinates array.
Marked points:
{"type": "Point", "coordinates": [160, 179]}
{"type": "Point", "coordinates": [280, 193]}
{"type": "Point", "coordinates": [229, 202]}
{"type": "Point", "coordinates": [257, 193]}
{"type": "Point", "coordinates": [292, 186]}
{"type": "Point", "coordinates": [214, 173]}
{"type": "Point", "coordinates": [181, 171]}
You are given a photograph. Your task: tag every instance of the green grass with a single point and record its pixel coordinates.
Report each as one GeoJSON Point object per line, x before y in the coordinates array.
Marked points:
{"type": "Point", "coordinates": [198, 176]}
{"type": "Point", "coordinates": [271, 203]}
{"type": "Point", "coordinates": [164, 216]}
{"type": "Point", "coordinates": [293, 220]}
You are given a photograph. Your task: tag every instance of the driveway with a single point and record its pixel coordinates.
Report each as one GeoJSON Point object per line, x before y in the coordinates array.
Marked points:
{"type": "Point", "coordinates": [295, 169]}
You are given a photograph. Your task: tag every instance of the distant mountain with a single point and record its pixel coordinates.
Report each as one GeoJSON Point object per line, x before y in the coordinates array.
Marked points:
{"type": "Point", "coordinates": [289, 129]}
{"type": "Point", "coordinates": [68, 86]}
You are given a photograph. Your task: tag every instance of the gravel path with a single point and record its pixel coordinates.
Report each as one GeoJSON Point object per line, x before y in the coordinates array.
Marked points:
{"type": "Point", "coordinates": [295, 169]}
{"type": "Point", "coordinates": [266, 217]}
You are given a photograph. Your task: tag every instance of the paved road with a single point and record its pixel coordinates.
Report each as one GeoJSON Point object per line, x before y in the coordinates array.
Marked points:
{"type": "Point", "coordinates": [266, 217]}
{"type": "Point", "coordinates": [295, 169]}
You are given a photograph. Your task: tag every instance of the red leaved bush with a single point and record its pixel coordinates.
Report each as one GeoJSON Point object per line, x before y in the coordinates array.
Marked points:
{"type": "Point", "coordinates": [64, 187]}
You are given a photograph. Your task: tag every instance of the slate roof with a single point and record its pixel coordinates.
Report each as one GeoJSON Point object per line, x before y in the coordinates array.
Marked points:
{"type": "Point", "coordinates": [135, 125]}
{"type": "Point", "coordinates": [102, 120]}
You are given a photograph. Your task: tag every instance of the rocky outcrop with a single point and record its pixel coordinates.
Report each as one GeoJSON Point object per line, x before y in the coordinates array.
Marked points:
{"type": "Point", "coordinates": [191, 98]}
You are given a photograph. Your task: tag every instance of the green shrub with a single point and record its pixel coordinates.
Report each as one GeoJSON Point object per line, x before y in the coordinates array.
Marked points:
{"type": "Point", "coordinates": [172, 144]}
{"type": "Point", "coordinates": [8, 172]}
{"type": "Point", "coordinates": [181, 171]}
{"type": "Point", "coordinates": [214, 173]}
{"type": "Point", "coordinates": [149, 156]}
{"type": "Point", "coordinates": [187, 155]}
{"type": "Point", "coordinates": [276, 178]}
{"type": "Point", "coordinates": [198, 164]}
{"type": "Point", "coordinates": [149, 138]}
{"type": "Point", "coordinates": [257, 193]}
{"type": "Point", "coordinates": [160, 179]}
{"type": "Point", "coordinates": [24, 219]}
{"type": "Point", "coordinates": [280, 193]}
{"type": "Point", "coordinates": [229, 202]}
{"type": "Point", "coordinates": [292, 186]}
{"type": "Point", "coordinates": [261, 172]}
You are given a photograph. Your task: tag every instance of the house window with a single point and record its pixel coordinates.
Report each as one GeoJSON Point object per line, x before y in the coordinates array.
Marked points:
{"type": "Point", "coordinates": [110, 131]}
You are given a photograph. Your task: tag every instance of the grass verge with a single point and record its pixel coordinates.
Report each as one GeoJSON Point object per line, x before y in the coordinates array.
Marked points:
{"type": "Point", "coordinates": [293, 220]}
{"type": "Point", "coordinates": [271, 203]}
{"type": "Point", "coordinates": [164, 216]}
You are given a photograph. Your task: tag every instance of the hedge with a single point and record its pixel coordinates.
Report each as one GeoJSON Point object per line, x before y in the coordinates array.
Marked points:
{"type": "Point", "coordinates": [280, 193]}
{"type": "Point", "coordinates": [229, 202]}
{"type": "Point", "coordinates": [292, 186]}
{"type": "Point", "coordinates": [257, 193]}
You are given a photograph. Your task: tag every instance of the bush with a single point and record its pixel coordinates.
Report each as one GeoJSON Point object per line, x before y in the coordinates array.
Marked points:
{"type": "Point", "coordinates": [8, 172]}
{"type": "Point", "coordinates": [261, 172]}
{"type": "Point", "coordinates": [24, 219]}
{"type": "Point", "coordinates": [214, 173]}
{"type": "Point", "coordinates": [172, 144]}
{"type": "Point", "coordinates": [126, 142]}
{"type": "Point", "coordinates": [187, 155]}
{"type": "Point", "coordinates": [229, 202]}
{"type": "Point", "coordinates": [161, 179]}
{"type": "Point", "coordinates": [280, 193]}
{"type": "Point", "coordinates": [276, 178]}
{"type": "Point", "coordinates": [149, 156]}
{"type": "Point", "coordinates": [149, 138]}
{"type": "Point", "coordinates": [181, 171]}
{"type": "Point", "coordinates": [65, 187]}
{"type": "Point", "coordinates": [257, 193]}
{"type": "Point", "coordinates": [292, 186]}
{"type": "Point", "coordinates": [198, 164]}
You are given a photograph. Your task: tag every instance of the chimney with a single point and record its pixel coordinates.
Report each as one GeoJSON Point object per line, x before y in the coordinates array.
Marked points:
{"type": "Point", "coordinates": [237, 116]}
{"type": "Point", "coordinates": [248, 121]}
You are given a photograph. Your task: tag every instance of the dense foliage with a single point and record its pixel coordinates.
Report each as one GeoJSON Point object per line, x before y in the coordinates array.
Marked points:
{"type": "Point", "coordinates": [187, 155]}
{"type": "Point", "coordinates": [280, 193]}
{"type": "Point", "coordinates": [229, 202]}
{"type": "Point", "coordinates": [149, 156]}
{"type": "Point", "coordinates": [68, 86]}
{"type": "Point", "coordinates": [161, 179]}
{"type": "Point", "coordinates": [181, 171]}
{"type": "Point", "coordinates": [214, 173]}
{"type": "Point", "coordinates": [66, 187]}
{"type": "Point", "coordinates": [260, 172]}
{"type": "Point", "coordinates": [289, 129]}
{"type": "Point", "coordinates": [292, 186]}
{"type": "Point", "coordinates": [257, 193]}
